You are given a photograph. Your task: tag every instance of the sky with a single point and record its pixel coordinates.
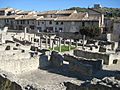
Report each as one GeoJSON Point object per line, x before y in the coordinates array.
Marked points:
{"type": "Point", "coordinates": [45, 5]}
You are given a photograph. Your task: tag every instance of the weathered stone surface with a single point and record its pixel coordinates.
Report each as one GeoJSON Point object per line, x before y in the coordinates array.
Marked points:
{"type": "Point", "coordinates": [6, 84]}
{"type": "Point", "coordinates": [43, 61]}
{"type": "Point", "coordinates": [56, 59]}
{"type": "Point", "coordinates": [83, 69]}
{"type": "Point", "coordinates": [95, 84]}
{"type": "Point", "coordinates": [106, 57]}
{"type": "Point", "coordinates": [95, 63]}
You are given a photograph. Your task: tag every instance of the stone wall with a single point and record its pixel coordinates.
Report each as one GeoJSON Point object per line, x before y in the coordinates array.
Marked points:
{"type": "Point", "coordinates": [71, 86]}
{"type": "Point", "coordinates": [56, 59]}
{"type": "Point", "coordinates": [80, 68]}
{"type": "Point", "coordinates": [18, 62]}
{"type": "Point", "coordinates": [107, 83]}
{"type": "Point", "coordinates": [95, 63]}
{"type": "Point", "coordinates": [74, 66]}
{"type": "Point", "coordinates": [107, 58]}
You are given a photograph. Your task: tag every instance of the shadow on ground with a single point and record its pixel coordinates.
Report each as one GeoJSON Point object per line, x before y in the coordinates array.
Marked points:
{"type": "Point", "coordinates": [64, 70]}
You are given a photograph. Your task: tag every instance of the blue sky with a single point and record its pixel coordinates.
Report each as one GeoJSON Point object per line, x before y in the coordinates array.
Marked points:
{"type": "Point", "coordinates": [43, 5]}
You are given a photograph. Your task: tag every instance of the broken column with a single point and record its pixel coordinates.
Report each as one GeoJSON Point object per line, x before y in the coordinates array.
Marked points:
{"type": "Point", "coordinates": [76, 44]}
{"type": "Point", "coordinates": [64, 42]}
{"type": "Point", "coordinates": [25, 30]}
{"type": "Point", "coordinates": [83, 41]}
{"type": "Point", "coordinates": [40, 42]}
{"type": "Point", "coordinates": [28, 37]}
{"type": "Point", "coordinates": [60, 44]}
{"type": "Point", "coordinates": [50, 45]}
{"type": "Point", "coordinates": [53, 45]}
{"type": "Point", "coordinates": [69, 46]}
{"type": "Point", "coordinates": [46, 42]}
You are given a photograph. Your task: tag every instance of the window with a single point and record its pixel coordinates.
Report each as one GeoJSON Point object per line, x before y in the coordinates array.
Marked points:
{"type": "Point", "coordinates": [61, 23]}
{"type": "Point", "coordinates": [17, 22]}
{"type": "Point", "coordinates": [42, 22]}
{"type": "Point", "coordinates": [55, 29]}
{"type": "Point", "coordinates": [7, 20]}
{"type": "Point", "coordinates": [60, 28]}
{"type": "Point", "coordinates": [27, 22]}
{"type": "Point", "coordinates": [21, 21]}
{"type": "Point", "coordinates": [32, 27]}
{"type": "Point", "coordinates": [83, 24]}
{"type": "Point", "coordinates": [50, 22]}
{"type": "Point", "coordinates": [38, 23]}
{"type": "Point", "coordinates": [57, 23]}
{"type": "Point", "coordinates": [32, 22]}
{"type": "Point", "coordinates": [39, 29]}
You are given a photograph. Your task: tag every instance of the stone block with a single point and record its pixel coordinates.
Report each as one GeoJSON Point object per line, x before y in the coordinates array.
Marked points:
{"type": "Point", "coordinates": [56, 59]}
{"type": "Point", "coordinates": [83, 69]}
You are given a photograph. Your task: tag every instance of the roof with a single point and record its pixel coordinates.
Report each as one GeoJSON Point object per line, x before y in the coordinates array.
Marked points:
{"type": "Point", "coordinates": [28, 17]}
{"type": "Point", "coordinates": [9, 17]}
{"type": "Point", "coordinates": [56, 12]}
{"type": "Point", "coordinates": [46, 12]}
{"type": "Point", "coordinates": [76, 17]}
{"type": "Point", "coordinates": [8, 9]}
{"type": "Point", "coordinates": [3, 9]}
{"type": "Point", "coordinates": [23, 12]}
{"type": "Point", "coordinates": [66, 12]}
{"type": "Point", "coordinates": [46, 19]}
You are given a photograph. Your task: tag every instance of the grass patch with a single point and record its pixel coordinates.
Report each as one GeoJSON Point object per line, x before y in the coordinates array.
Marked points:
{"type": "Point", "coordinates": [63, 48]}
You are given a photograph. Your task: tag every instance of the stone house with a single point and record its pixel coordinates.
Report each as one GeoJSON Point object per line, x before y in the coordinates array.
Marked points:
{"type": "Point", "coordinates": [7, 11]}
{"type": "Point", "coordinates": [8, 21]}
{"type": "Point", "coordinates": [116, 31]}
{"type": "Point", "coordinates": [55, 21]}
{"type": "Point", "coordinates": [28, 21]}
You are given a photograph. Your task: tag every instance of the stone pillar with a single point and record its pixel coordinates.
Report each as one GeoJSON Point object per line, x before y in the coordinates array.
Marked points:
{"type": "Point", "coordinates": [83, 41]}
{"type": "Point", "coordinates": [46, 42]}
{"type": "Point", "coordinates": [34, 38]}
{"type": "Point", "coordinates": [25, 30]}
{"type": "Point", "coordinates": [40, 42]}
{"type": "Point", "coordinates": [60, 44]}
{"type": "Point", "coordinates": [31, 39]}
{"type": "Point", "coordinates": [69, 46]}
{"type": "Point", "coordinates": [20, 38]}
{"type": "Point", "coordinates": [64, 42]}
{"type": "Point", "coordinates": [53, 45]}
{"type": "Point", "coordinates": [57, 43]}
{"type": "Point", "coordinates": [50, 45]}
{"type": "Point", "coordinates": [76, 44]}
{"type": "Point", "coordinates": [28, 37]}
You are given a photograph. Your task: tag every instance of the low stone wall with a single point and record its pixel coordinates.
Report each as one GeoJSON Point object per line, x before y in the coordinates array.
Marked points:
{"type": "Point", "coordinates": [80, 68]}
{"type": "Point", "coordinates": [107, 58]}
{"type": "Point", "coordinates": [17, 62]}
{"type": "Point", "coordinates": [95, 63]}
{"type": "Point", "coordinates": [56, 59]}
{"type": "Point", "coordinates": [19, 66]}
{"type": "Point", "coordinates": [74, 66]}
{"type": "Point", "coordinates": [14, 56]}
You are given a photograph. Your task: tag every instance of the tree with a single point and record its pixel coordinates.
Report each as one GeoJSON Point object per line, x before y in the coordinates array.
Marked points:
{"type": "Point", "coordinates": [90, 32]}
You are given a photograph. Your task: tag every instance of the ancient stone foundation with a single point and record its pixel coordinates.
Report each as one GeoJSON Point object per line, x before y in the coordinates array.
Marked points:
{"type": "Point", "coordinates": [17, 62]}
{"type": "Point", "coordinates": [107, 58]}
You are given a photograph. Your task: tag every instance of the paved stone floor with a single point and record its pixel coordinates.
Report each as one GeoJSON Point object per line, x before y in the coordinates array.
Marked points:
{"type": "Point", "coordinates": [48, 80]}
